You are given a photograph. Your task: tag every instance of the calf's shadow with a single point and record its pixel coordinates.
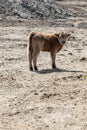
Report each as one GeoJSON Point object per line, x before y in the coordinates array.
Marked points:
{"type": "Point", "coordinates": [48, 71]}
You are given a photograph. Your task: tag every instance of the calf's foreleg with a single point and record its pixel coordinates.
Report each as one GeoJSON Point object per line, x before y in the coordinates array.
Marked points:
{"type": "Point", "coordinates": [53, 57]}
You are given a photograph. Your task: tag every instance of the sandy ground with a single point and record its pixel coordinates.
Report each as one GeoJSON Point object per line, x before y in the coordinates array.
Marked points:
{"type": "Point", "coordinates": [47, 99]}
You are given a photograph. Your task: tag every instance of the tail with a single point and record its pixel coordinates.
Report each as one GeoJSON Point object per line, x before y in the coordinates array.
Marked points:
{"type": "Point", "coordinates": [30, 41]}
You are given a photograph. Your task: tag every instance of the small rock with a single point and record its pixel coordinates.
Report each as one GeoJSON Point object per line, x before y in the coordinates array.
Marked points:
{"type": "Point", "coordinates": [35, 93]}
{"type": "Point", "coordinates": [24, 16]}
{"type": "Point", "coordinates": [82, 25]}
{"type": "Point", "coordinates": [70, 53]}
{"type": "Point", "coordinates": [83, 59]}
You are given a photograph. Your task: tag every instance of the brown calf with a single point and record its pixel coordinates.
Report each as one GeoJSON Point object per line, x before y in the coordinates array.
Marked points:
{"type": "Point", "coordinates": [52, 43]}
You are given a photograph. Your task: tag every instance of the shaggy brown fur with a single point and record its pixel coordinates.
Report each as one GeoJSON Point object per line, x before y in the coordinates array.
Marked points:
{"type": "Point", "coordinates": [52, 43]}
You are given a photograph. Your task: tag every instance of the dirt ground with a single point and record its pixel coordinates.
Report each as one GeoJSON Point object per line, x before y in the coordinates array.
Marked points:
{"type": "Point", "coordinates": [47, 99]}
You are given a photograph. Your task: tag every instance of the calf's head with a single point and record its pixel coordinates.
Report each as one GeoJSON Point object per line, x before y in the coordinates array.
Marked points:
{"type": "Point", "coordinates": [62, 37]}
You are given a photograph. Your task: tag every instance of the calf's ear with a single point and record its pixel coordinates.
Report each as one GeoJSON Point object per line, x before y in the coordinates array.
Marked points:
{"type": "Point", "coordinates": [57, 34]}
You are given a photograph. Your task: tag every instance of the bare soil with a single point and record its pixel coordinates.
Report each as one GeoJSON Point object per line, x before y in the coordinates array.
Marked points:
{"type": "Point", "coordinates": [48, 99]}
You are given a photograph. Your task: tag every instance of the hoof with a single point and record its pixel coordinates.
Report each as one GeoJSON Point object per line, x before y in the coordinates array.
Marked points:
{"type": "Point", "coordinates": [31, 69]}
{"type": "Point", "coordinates": [35, 67]}
{"type": "Point", "coordinates": [54, 66]}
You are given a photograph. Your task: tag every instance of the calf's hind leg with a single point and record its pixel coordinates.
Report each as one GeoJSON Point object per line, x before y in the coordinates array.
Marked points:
{"type": "Point", "coordinates": [30, 61]}
{"type": "Point", "coordinates": [35, 55]}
